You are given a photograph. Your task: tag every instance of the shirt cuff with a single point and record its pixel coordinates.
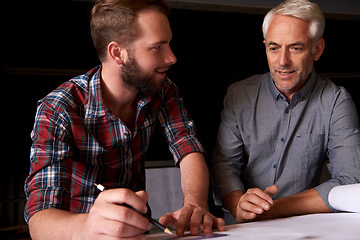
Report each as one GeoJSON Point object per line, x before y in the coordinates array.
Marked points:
{"type": "Point", "coordinates": [324, 190]}
{"type": "Point", "coordinates": [185, 145]}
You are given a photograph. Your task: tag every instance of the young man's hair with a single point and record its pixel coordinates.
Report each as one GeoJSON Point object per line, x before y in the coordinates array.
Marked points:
{"type": "Point", "coordinates": [115, 20]}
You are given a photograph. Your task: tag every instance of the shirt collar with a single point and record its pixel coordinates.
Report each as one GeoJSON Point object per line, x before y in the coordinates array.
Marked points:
{"type": "Point", "coordinates": [96, 106]}
{"type": "Point", "coordinates": [299, 95]}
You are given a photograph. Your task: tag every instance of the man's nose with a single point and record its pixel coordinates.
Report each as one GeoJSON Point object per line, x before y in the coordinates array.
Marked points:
{"type": "Point", "coordinates": [170, 57]}
{"type": "Point", "coordinates": [284, 58]}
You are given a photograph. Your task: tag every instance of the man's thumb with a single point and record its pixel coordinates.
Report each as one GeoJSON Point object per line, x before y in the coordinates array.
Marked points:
{"type": "Point", "coordinates": [272, 190]}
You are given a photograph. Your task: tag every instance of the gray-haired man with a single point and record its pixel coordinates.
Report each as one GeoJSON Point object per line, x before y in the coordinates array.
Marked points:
{"type": "Point", "coordinates": [278, 129]}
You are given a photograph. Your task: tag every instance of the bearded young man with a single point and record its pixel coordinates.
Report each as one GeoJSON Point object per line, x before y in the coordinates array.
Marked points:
{"type": "Point", "coordinates": [96, 128]}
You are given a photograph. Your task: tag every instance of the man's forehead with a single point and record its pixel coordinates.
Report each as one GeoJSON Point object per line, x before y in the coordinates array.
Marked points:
{"type": "Point", "coordinates": [154, 25]}
{"type": "Point", "coordinates": [289, 29]}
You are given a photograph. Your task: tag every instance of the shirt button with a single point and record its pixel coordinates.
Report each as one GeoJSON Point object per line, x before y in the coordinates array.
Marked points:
{"type": "Point", "coordinates": [282, 139]}
{"type": "Point", "coordinates": [274, 166]}
{"type": "Point", "coordinates": [286, 111]}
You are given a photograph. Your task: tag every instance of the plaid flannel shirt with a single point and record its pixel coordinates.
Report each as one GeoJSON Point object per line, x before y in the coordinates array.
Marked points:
{"type": "Point", "coordinates": [77, 141]}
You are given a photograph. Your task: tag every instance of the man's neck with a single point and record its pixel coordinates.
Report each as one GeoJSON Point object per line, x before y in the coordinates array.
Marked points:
{"type": "Point", "coordinates": [119, 98]}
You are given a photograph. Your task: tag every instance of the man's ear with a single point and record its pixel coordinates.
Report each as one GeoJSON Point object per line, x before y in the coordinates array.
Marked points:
{"type": "Point", "coordinates": [117, 52]}
{"type": "Point", "coordinates": [319, 48]}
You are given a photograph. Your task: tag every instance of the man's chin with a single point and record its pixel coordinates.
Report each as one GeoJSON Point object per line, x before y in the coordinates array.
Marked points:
{"type": "Point", "coordinates": [286, 84]}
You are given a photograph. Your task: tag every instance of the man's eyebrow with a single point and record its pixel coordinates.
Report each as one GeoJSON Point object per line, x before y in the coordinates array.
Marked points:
{"type": "Point", "coordinates": [297, 44]}
{"type": "Point", "coordinates": [292, 44]}
{"type": "Point", "coordinates": [159, 43]}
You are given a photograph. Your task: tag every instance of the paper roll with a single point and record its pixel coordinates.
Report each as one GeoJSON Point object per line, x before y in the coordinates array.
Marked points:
{"type": "Point", "coordinates": [345, 198]}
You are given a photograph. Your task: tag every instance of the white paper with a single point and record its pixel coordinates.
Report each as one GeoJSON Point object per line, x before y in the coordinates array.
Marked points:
{"type": "Point", "coordinates": [345, 198]}
{"type": "Point", "coordinates": [329, 226]}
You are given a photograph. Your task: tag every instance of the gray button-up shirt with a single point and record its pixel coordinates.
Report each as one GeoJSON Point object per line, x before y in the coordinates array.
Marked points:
{"type": "Point", "coordinates": [264, 140]}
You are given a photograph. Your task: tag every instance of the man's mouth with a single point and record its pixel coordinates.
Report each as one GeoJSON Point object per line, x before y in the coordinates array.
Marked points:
{"type": "Point", "coordinates": [162, 70]}
{"type": "Point", "coordinates": [285, 73]}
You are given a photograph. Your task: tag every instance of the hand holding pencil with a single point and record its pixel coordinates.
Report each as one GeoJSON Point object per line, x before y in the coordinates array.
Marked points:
{"type": "Point", "coordinates": [109, 217]}
{"type": "Point", "coordinates": [151, 220]}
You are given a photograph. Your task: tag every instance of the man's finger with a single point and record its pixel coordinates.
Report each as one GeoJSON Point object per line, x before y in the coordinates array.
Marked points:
{"type": "Point", "coordinates": [120, 229]}
{"type": "Point", "coordinates": [257, 203]}
{"type": "Point", "coordinates": [242, 215]}
{"type": "Point", "coordinates": [261, 194]}
{"type": "Point", "coordinates": [272, 190]}
{"type": "Point", "coordinates": [219, 223]}
{"type": "Point", "coordinates": [184, 219]}
{"type": "Point", "coordinates": [126, 196]}
{"type": "Point", "coordinates": [122, 214]}
{"type": "Point", "coordinates": [251, 207]}
{"type": "Point", "coordinates": [196, 220]}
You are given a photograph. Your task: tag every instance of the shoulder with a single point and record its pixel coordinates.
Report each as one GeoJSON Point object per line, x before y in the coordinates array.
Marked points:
{"type": "Point", "coordinates": [250, 82]}
{"type": "Point", "coordinates": [71, 94]}
{"type": "Point", "coordinates": [249, 85]}
{"type": "Point", "coordinates": [247, 89]}
{"type": "Point", "coordinates": [333, 101]}
{"type": "Point", "coordinates": [170, 91]}
{"type": "Point", "coordinates": [329, 92]}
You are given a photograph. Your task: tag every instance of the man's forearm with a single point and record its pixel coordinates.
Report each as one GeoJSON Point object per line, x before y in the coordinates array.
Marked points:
{"type": "Point", "coordinates": [54, 224]}
{"type": "Point", "coordinates": [306, 202]}
{"type": "Point", "coordinates": [194, 179]}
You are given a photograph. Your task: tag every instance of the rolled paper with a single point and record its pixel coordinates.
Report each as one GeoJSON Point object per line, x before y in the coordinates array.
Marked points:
{"type": "Point", "coordinates": [345, 198]}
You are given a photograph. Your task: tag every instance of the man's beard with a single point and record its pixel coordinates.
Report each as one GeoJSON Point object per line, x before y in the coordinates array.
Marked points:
{"type": "Point", "coordinates": [134, 77]}
{"type": "Point", "coordinates": [301, 76]}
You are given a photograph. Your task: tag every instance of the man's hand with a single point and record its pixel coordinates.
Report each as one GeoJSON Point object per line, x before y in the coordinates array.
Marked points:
{"type": "Point", "coordinates": [251, 204]}
{"type": "Point", "coordinates": [108, 218]}
{"type": "Point", "coordinates": [194, 218]}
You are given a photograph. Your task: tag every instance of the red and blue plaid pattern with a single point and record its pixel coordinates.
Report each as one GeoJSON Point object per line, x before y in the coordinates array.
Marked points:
{"type": "Point", "coordinates": [77, 141]}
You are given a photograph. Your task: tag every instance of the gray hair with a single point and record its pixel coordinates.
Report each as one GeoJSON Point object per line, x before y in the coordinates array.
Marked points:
{"type": "Point", "coordinates": [302, 9]}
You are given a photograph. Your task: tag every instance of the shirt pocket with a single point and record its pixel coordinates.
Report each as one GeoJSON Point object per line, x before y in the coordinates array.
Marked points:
{"type": "Point", "coordinates": [307, 150]}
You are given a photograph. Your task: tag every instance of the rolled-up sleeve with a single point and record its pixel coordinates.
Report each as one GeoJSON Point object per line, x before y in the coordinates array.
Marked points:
{"type": "Point", "coordinates": [227, 159]}
{"type": "Point", "coordinates": [177, 125]}
{"type": "Point", "coordinates": [49, 177]}
{"type": "Point", "coordinates": [343, 146]}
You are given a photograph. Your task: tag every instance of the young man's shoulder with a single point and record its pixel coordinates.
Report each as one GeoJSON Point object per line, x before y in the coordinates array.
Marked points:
{"type": "Point", "coordinates": [71, 94]}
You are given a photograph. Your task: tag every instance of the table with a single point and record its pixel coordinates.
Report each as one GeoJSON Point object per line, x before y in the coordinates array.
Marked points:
{"type": "Point", "coordinates": [337, 226]}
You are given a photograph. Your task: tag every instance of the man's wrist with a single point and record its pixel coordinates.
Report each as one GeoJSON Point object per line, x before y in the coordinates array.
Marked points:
{"type": "Point", "coordinates": [195, 202]}
{"type": "Point", "coordinates": [231, 201]}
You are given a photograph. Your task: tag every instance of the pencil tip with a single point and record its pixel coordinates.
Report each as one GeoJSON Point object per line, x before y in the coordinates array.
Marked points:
{"type": "Point", "coordinates": [100, 187]}
{"type": "Point", "coordinates": [167, 231]}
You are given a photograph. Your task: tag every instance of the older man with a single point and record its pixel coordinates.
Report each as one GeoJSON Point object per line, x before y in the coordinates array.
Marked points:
{"type": "Point", "coordinates": [278, 129]}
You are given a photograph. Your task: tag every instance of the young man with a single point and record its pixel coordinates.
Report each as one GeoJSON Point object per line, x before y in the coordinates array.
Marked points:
{"type": "Point", "coordinates": [96, 128]}
{"type": "Point", "coordinates": [278, 129]}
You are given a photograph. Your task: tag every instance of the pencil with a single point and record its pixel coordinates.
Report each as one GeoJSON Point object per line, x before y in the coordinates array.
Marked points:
{"type": "Point", "coordinates": [153, 221]}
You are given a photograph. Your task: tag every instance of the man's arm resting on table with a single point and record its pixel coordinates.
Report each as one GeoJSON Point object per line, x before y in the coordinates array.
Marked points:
{"type": "Point", "coordinates": [256, 204]}
{"type": "Point", "coordinates": [306, 202]}
{"type": "Point", "coordinates": [195, 185]}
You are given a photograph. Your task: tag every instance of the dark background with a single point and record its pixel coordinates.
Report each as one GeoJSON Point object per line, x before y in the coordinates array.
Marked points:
{"type": "Point", "coordinates": [46, 44]}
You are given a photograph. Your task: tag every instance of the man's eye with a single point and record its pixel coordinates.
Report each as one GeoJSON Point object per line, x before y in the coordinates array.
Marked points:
{"type": "Point", "coordinates": [296, 49]}
{"type": "Point", "coordinates": [273, 49]}
{"type": "Point", "coordinates": [156, 47]}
